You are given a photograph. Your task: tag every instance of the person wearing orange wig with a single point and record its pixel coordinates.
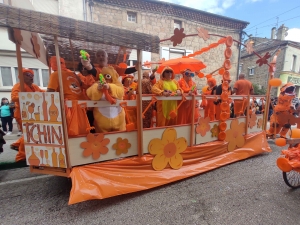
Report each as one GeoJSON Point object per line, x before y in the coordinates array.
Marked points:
{"type": "Point", "coordinates": [167, 86]}
{"type": "Point", "coordinates": [188, 86]}
{"type": "Point", "coordinates": [29, 86]}
{"type": "Point", "coordinates": [209, 109]}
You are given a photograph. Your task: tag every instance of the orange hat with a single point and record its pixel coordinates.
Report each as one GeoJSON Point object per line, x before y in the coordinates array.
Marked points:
{"type": "Point", "coordinates": [24, 70]}
{"type": "Point", "coordinates": [212, 80]}
{"type": "Point", "coordinates": [126, 77]}
{"type": "Point", "coordinates": [168, 68]}
{"type": "Point", "coordinates": [53, 64]}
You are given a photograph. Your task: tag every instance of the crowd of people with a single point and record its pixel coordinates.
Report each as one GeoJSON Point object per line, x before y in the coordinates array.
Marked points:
{"type": "Point", "coordinates": [119, 84]}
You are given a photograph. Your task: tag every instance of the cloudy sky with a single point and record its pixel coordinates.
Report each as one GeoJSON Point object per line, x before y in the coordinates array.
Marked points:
{"type": "Point", "coordinates": [262, 14]}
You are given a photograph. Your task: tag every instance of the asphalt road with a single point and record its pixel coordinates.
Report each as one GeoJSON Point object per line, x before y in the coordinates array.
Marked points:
{"type": "Point", "coordinates": [247, 192]}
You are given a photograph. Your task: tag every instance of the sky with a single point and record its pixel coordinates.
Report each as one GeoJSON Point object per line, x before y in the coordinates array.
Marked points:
{"type": "Point", "coordinates": [261, 14]}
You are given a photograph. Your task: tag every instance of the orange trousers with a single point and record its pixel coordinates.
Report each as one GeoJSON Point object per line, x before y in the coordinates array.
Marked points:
{"type": "Point", "coordinates": [21, 153]}
{"type": "Point", "coordinates": [161, 120]}
{"type": "Point", "coordinates": [209, 110]}
{"type": "Point", "coordinates": [239, 107]}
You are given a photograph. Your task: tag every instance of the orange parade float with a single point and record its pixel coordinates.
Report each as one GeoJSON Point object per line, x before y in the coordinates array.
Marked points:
{"type": "Point", "coordinates": [57, 138]}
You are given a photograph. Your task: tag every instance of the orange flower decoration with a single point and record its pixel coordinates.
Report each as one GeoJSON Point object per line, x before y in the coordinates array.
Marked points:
{"type": "Point", "coordinates": [234, 136]}
{"type": "Point", "coordinates": [259, 123]}
{"type": "Point", "coordinates": [121, 146]}
{"type": "Point", "coordinates": [215, 131]}
{"type": "Point", "coordinates": [178, 36]}
{"type": "Point", "coordinates": [167, 150]}
{"type": "Point", "coordinates": [95, 145]}
{"type": "Point", "coordinates": [264, 59]}
{"type": "Point", "coordinates": [203, 33]}
{"type": "Point", "coordinates": [252, 120]}
{"type": "Point", "coordinates": [203, 126]}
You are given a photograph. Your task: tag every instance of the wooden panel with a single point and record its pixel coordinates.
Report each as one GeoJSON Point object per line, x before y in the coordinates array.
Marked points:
{"type": "Point", "coordinates": [208, 137]}
{"type": "Point", "coordinates": [255, 128]}
{"type": "Point", "coordinates": [149, 134]}
{"type": "Point", "coordinates": [76, 157]}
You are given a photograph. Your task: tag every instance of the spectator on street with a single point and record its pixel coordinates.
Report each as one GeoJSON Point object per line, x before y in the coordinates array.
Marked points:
{"type": "Point", "coordinates": [6, 116]}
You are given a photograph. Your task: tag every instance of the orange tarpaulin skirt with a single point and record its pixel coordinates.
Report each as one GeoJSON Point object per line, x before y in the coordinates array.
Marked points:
{"type": "Point", "coordinates": [117, 177]}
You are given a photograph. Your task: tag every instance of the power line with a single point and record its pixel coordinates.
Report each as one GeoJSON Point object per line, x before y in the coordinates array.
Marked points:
{"type": "Point", "coordinates": [273, 24]}
{"type": "Point", "coordinates": [273, 17]}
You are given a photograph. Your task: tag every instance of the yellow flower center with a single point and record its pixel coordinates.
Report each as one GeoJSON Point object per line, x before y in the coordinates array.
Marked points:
{"type": "Point", "coordinates": [170, 150]}
{"type": "Point", "coordinates": [96, 145]}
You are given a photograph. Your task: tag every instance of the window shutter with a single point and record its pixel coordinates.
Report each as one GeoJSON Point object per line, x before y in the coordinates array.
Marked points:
{"type": "Point", "coordinates": [165, 53]}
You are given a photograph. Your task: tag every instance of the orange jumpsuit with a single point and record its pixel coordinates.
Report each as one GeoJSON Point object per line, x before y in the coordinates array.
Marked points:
{"type": "Point", "coordinates": [17, 114]}
{"type": "Point", "coordinates": [163, 118]}
{"type": "Point", "coordinates": [185, 110]}
{"type": "Point", "coordinates": [209, 110]}
{"type": "Point", "coordinates": [131, 111]}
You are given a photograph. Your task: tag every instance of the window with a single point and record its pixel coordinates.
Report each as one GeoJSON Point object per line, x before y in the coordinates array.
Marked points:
{"type": "Point", "coordinates": [10, 76]}
{"type": "Point", "coordinates": [131, 17]}
{"type": "Point", "coordinates": [294, 59]}
{"type": "Point", "coordinates": [6, 77]}
{"type": "Point", "coordinates": [45, 77]}
{"type": "Point", "coordinates": [251, 71]}
{"type": "Point", "coordinates": [177, 24]}
{"type": "Point", "coordinates": [176, 53]}
{"type": "Point", "coordinates": [1, 1]}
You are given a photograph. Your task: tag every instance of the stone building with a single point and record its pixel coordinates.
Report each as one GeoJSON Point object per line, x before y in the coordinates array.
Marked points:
{"type": "Point", "coordinates": [288, 62]}
{"type": "Point", "coordinates": [160, 18]}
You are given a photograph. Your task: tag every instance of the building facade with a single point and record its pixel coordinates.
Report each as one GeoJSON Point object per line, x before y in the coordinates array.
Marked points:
{"type": "Point", "coordinates": [159, 18]}
{"type": "Point", "coordinates": [288, 60]}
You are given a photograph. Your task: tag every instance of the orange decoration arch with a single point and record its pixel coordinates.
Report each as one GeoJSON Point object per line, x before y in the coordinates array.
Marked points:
{"type": "Point", "coordinates": [227, 64]}
{"type": "Point", "coordinates": [224, 96]}
{"type": "Point", "coordinates": [228, 53]}
{"type": "Point", "coordinates": [225, 86]}
{"type": "Point", "coordinates": [229, 41]}
{"type": "Point", "coordinates": [226, 75]}
{"type": "Point", "coordinates": [222, 126]}
{"type": "Point", "coordinates": [222, 136]}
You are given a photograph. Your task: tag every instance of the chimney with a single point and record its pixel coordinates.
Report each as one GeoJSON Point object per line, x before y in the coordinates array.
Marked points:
{"type": "Point", "coordinates": [273, 33]}
{"type": "Point", "coordinates": [282, 32]}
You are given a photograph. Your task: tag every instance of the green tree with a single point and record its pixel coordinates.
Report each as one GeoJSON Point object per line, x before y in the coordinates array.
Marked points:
{"type": "Point", "coordinates": [259, 91]}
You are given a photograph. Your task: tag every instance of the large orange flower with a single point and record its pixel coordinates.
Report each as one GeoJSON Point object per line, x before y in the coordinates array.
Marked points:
{"type": "Point", "coordinates": [95, 145]}
{"type": "Point", "coordinates": [121, 146]}
{"type": "Point", "coordinates": [167, 150]}
{"type": "Point", "coordinates": [234, 136]}
{"type": "Point", "coordinates": [203, 126]}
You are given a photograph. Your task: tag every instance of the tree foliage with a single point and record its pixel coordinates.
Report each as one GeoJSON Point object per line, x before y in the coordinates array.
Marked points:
{"type": "Point", "coordinates": [259, 91]}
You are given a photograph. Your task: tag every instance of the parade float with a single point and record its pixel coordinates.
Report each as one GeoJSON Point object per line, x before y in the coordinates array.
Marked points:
{"type": "Point", "coordinates": [103, 165]}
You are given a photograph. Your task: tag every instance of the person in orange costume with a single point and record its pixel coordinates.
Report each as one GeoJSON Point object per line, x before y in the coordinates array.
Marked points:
{"type": "Point", "coordinates": [29, 86]}
{"type": "Point", "coordinates": [167, 86]}
{"type": "Point", "coordinates": [241, 87]}
{"type": "Point", "coordinates": [101, 58]}
{"type": "Point", "coordinates": [71, 82]}
{"type": "Point", "coordinates": [188, 86]}
{"type": "Point", "coordinates": [129, 94]}
{"type": "Point", "coordinates": [209, 109]}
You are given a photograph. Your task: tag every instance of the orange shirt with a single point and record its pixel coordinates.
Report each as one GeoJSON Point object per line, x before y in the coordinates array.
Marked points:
{"type": "Point", "coordinates": [243, 87]}
{"type": "Point", "coordinates": [71, 85]}
{"type": "Point", "coordinates": [15, 96]}
{"type": "Point", "coordinates": [186, 87]}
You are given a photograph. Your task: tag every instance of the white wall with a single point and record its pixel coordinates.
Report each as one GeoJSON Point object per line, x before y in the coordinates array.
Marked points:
{"type": "Point", "coordinates": [290, 51]}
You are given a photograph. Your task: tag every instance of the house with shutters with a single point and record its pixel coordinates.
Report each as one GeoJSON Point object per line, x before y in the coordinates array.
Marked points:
{"type": "Point", "coordinates": [288, 60]}
{"type": "Point", "coordinates": [146, 16]}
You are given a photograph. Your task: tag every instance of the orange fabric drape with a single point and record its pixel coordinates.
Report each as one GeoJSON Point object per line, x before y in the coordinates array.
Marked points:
{"type": "Point", "coordinates": [117, 177]}
{"type": "Point", "coordinates": [184, 115]}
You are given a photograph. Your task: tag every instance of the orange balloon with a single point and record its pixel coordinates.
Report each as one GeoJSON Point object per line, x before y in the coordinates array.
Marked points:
{"type": "Point", "coordinates": [224, 96]}
{"type": "Point", "coordinates": [280, 142]}
{"type": "Point", "coordinates": [224, 116]}
{"type": "Point", "coordinates": [227, 64]}
{"type": "Point", "coordinates": [229, 41]}
{"type": "Point", "coordinates": [226, 75]}
{"type": "Point", "coordinates": [224, 106]}
{"type": "Point", "coordinates": [208, 76]}
{"type": "Point", "coordinates": [295, 133]}
{"type": "Point", "coordinates": [275, 82]}
{"type": "Point", "coordinates": [225, 86]}
{"type": "Point", "coordinates": [221, 136]}
{"type": "Point", "coordinates": [200, 75]}
{"type": "Point", "coordinates": [228, 53]}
